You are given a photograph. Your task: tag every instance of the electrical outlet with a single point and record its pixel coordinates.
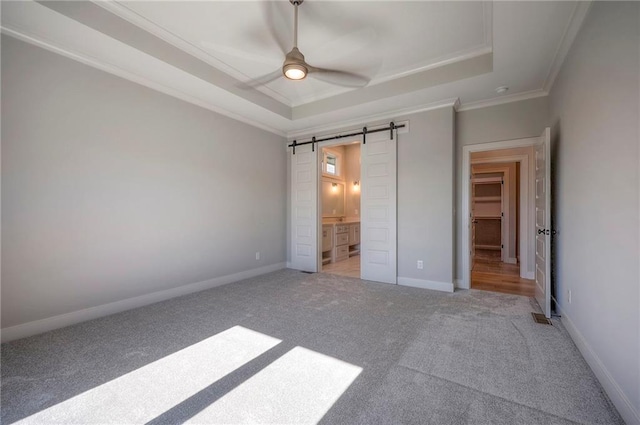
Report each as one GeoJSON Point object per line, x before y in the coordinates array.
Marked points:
{"type": "Point", "coordinates": [420, 265]}
{"type": "Point", "coordinates": [258, 255]}
{"type": "Point", "coordinates": [569, 296]}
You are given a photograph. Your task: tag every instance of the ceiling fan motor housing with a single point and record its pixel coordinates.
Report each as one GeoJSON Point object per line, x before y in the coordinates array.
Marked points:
{"type": "Point", "coordinates": [295, 67]}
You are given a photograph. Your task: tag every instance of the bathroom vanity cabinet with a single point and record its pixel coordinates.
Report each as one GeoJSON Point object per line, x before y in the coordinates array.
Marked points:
{"type": "Point", "coordinates": [340, 241]}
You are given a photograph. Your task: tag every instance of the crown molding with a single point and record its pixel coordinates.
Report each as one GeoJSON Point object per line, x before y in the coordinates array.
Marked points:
{"type": "Point", "coordinates": [516, 97]}
{"type": "Point", "coordinates": [136, 78]}
{"type": "Point", "coordinates": [578, 16]}
{"type": "Point", "coordinates": [397, 113]}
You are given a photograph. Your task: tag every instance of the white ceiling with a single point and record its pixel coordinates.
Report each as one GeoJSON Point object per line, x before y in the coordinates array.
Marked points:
{"type": "Point", "coordinates": [376, 38]}
{"type": "Point", "coordinates": [418, 54]}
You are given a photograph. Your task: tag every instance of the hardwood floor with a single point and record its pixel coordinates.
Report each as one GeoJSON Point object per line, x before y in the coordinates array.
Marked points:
{"type": "Point", "coordinates": [490, 274]}
{"type": "Point", "coordinates": [349, 268]}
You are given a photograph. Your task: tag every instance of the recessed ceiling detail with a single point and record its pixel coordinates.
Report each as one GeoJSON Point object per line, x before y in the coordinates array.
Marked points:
{"type": "Point", "coordinates": [415, 53]}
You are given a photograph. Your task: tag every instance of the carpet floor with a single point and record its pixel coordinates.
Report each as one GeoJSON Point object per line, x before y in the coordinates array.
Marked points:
{"type": "Point", "coordinates": [290, 347]}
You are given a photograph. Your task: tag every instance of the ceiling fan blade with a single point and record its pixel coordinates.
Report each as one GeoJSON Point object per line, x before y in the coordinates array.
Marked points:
{"type": "Point", "coordinates": [339, 78]}
{"type": "Point", "coordinates": [355, 43]}
{"type": "Point", "coordinates": [277, 25]}
{"type": "Point", "coordinates": [261, 81]}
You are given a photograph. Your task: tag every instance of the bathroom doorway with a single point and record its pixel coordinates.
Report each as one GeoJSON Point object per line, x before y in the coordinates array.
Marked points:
{"type": "Point", "coordinates": [340, 209]}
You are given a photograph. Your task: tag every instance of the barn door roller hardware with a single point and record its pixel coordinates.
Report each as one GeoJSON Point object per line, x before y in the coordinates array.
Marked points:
{"type": "Point", "coordinates": [392, 126]}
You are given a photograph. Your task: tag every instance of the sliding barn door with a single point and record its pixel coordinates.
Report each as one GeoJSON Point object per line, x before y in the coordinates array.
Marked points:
{"type": "Point", "coordinates": [304, 213]}
{"type": "Point", "coordinates": [378, 261]}
{"type": "Point", "coordinates": [543, 222]}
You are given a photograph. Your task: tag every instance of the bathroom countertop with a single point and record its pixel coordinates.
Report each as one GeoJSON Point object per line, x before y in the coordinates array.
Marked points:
{"type": "Point", "coordinates": [347, 221]}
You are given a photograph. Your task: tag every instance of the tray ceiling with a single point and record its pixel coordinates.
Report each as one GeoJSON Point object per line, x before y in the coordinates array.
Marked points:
{"type": "Point", "coordinates": [416, 53]}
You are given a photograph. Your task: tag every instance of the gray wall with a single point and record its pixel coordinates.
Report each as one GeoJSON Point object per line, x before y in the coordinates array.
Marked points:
{"type": "Point", "coordinates": [516, 120]}
{"type": "Point", "coordinates": [352, 168]}
{"type": "Point", "coordinates": [594, 109]}
{"type": "Point", "coordinates": [425, 196]}
{"type": "Point", "coordinates": [111, 190]}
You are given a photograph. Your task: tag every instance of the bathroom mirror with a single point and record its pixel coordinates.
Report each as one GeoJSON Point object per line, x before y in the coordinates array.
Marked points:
{"type": "Point", "coordinates": [332, 199]}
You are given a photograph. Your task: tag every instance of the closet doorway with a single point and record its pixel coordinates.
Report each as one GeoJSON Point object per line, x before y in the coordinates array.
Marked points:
{"type": "Point", "coordinates": [495, 228]}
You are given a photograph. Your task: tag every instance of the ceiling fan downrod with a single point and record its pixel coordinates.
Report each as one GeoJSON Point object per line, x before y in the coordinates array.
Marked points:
{"type": "Point", "coordinates": [295, 67]}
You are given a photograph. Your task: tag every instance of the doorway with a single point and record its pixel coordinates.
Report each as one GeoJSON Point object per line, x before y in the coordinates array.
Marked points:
{"type": "Point", "coordinates": [378, 201]}
{"type": "Point", "coordinates": [521, 152]}
{"type": "Point", "coordinates": [534, 157]}
{"type": "Point", "coordinates": [495, 228]}
{"type": "Point", "coordinates": [340, 209]}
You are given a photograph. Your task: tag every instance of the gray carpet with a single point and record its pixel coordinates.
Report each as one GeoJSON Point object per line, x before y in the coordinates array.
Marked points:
{"type": "Point", "coordinates": [290, 347]}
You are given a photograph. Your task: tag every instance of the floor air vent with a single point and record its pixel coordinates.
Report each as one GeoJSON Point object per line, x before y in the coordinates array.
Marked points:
{"type": "Point", "coordinates": [539, 318]}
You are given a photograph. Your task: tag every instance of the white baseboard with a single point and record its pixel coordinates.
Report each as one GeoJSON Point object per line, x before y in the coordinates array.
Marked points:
{"type": "Point", "coordinates": [457, 283]}
{"type": "Point", "coordinates": [44, 325]}
{"type": "Point", "coordinates": [511, 260]}
{"type": "Point", "coordinates": [527, 275]}
{"type": "Point", "coordinates": [426, 284]}
{"type": "Point", "coordinates": [630, 415]}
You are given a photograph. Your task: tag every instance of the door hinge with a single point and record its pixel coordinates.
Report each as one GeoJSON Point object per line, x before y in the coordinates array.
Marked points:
{"type": "Point", "coordinates": [502, 214]}
{"type": "Point", "coordinates": [501, 246]}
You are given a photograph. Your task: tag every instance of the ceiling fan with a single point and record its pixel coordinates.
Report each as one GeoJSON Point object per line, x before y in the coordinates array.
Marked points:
{"type": "Point", "coordinates": [295, 67]}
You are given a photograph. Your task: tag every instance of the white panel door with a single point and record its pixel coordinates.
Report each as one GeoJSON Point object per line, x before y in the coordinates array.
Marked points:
{"type": "Point", "coordinates": [304, 213]}
{"type": "Point", "coordinates": [543, 222]}
{"type": "Point", "coordinates": [378, 261]}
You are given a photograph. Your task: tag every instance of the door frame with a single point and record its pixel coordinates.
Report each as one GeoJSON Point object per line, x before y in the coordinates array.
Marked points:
{"type": "Point", "coordinates": [329, 145]}
{"type": "Point", "coordinates": [526, 190]}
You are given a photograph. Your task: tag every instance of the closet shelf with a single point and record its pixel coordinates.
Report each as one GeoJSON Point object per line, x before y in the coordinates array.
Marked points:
{"type": "Point", "coordinates": [487, 199]}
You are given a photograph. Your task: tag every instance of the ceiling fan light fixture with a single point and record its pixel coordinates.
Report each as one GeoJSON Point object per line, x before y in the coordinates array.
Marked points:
{"type": "Point", "coordinates": [294, 71]}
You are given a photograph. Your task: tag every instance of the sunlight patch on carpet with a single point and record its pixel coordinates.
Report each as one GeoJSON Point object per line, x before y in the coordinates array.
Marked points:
{"type": "Point", "coordinates": [300, 387]}
{"type": "Point", "coordinates": [147, 392]}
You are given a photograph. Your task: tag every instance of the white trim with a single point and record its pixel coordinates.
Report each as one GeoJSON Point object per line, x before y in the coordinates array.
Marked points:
{"type": "Point", "coordinates": [457, 283]}
{"type": "Point", "coordinates": [526, 215]}
{"type": "Point", "coordinates": [524, 197]}
{"type": "Point", "coordinates": [44, 325]}
{"type": "Point", "coordinates": [510, 260]}
{"type": "Point", "coordinates": [613, 390]}
{"type": "Point", "coordinates": [578, 16]}
{"type": "Point", "coordinates": [448, 103]}
{"type": "Point", "coordinates": [426, 284]}
{"type": "Point", "coordinates": [452, 58]}
{"type": "Point", "coordinates": [136, 78]}
{"type": "Point", "coordinates": [515, 97]}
